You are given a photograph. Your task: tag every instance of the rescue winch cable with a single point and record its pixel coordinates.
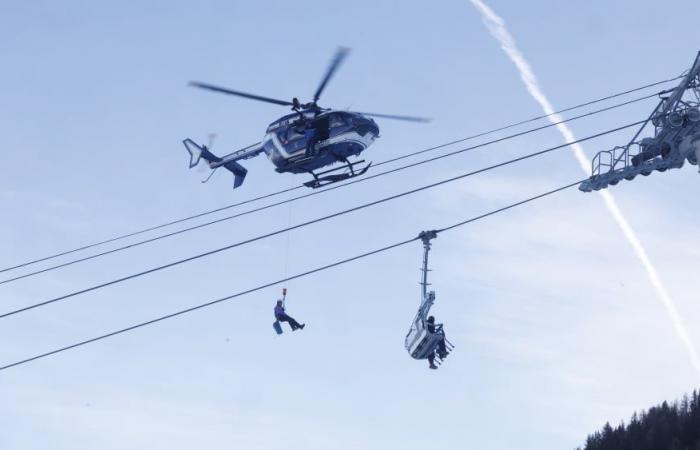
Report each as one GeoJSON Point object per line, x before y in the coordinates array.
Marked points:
{"type": "Point", "coordinates": [317, 220]}
{"type": "Point", "coordinates": [283, 191]}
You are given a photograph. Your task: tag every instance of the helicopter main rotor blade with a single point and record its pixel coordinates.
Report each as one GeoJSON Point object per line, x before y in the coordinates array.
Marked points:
{"type": "Point", "coordinates": [240, 94]}
{"type": "Point", "coordinates": [338, 58]}
{"type": "Point", "coordinates": [392, 116]}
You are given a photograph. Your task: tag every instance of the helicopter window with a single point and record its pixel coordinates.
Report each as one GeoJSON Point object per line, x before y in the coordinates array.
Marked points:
{"type": "Point", "coordinates": [336, 121]}
{"type": "Point", "coordinates": [290, 134]}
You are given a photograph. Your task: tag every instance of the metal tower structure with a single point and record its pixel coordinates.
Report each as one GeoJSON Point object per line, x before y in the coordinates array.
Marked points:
{"type": "Point", "coordinates": [676, 122]}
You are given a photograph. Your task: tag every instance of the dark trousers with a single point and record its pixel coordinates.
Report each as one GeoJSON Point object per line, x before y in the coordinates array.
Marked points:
{"type": "Point", "coordinates": [442, 350]}
{"type": "Point", "coordinates": [292, 323]}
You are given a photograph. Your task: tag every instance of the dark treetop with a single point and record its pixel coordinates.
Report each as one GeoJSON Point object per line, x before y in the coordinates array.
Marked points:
{"type": "Point", "coordinates": [664, 427]}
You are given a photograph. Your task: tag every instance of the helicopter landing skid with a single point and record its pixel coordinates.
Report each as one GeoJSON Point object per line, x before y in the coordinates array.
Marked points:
{"type": "Point", "coordinates": [328, 177]}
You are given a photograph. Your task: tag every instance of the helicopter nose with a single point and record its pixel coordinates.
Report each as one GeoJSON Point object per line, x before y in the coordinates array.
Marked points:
{"type": "Point", "coordinates": [364, 125]}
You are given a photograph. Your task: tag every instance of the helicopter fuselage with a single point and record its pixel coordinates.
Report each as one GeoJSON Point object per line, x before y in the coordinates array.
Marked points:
{"type": "Point", "coordinates": [304, 141]}
{"type": "Point", "coordinates": [308, 140]}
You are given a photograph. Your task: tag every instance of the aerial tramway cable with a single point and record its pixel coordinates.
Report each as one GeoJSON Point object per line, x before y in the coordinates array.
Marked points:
{"type": "Point", "coordinates": [319, 219]}
{"type": "Point", "coordinates": [283, 280]}
{"type": "Point", "coordinates": [262, 197]}
{"type": "Point", "coordinates": [316, 192]}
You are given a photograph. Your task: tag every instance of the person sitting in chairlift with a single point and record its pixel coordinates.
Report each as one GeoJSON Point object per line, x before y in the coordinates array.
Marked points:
{"type": "Point", "coordinates": [282, 316]}
{"type": "Point", "coordinates": [441, 348]}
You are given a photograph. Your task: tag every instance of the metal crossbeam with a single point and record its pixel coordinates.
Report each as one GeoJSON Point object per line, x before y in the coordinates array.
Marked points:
{"type": "Point", "coordinates": [676, 122]}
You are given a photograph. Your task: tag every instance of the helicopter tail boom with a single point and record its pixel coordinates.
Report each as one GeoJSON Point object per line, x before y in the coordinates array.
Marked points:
{"type": "Point", "coordinates": [197, 152]}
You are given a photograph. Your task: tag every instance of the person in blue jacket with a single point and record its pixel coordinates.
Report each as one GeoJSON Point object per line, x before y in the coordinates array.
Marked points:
{"type": "Point", "coordinates": [282, 316]}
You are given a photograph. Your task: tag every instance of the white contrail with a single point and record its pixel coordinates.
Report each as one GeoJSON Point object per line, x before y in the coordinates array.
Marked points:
{"type": "Point", "coordinates": [498, 30]}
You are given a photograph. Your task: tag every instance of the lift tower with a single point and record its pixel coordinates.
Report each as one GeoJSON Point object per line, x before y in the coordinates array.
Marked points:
{"type": "Point", "coordinates": [676, 121]}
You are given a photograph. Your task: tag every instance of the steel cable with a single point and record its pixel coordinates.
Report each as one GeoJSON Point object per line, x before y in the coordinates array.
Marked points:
{"type": "Point", "coordinates": [262, 197]}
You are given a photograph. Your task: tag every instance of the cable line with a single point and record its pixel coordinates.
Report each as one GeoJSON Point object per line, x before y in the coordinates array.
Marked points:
{"type": "Point", "coordinates": [262, 197]}
{"type": "Point", "coordinates": [316, 192]}
{"type": "Point", "coordinates": [283, 280]}
{"type": "Point", "coordinates": [313, 221]}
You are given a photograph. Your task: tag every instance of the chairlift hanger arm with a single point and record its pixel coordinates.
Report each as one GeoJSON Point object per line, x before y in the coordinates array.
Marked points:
{"type": "Point", "coordinates": [425, 236]}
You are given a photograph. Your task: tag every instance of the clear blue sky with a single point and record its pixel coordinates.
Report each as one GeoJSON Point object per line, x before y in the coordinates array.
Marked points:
{"type": "Point", "coordinates": [556, 326]}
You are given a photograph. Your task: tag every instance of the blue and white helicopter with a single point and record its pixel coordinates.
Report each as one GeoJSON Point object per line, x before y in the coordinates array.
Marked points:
{"type": "Point", "coordinates": [304, 141]}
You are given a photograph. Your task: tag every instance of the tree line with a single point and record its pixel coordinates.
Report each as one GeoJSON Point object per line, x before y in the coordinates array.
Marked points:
{"type": "Point", "coordinates": [673, 426]}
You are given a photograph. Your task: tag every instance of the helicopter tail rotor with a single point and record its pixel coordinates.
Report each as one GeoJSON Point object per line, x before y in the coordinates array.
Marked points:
{"type": "Point", "coordinates": [197, 152]}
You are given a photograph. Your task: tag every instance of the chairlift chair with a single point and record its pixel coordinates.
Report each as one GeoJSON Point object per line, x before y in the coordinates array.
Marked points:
{"type": "Point", "coordinates": [421, 343]}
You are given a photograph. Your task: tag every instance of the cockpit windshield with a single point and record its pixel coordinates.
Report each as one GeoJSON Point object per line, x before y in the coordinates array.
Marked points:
{"type": "Point", "coordinates": [289, 134]}
{"type": "Point", "coordinates": [337, 120]}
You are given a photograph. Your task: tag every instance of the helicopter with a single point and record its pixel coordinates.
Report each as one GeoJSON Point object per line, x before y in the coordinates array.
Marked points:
{"type": "Point", "coordinates": [304, 141]}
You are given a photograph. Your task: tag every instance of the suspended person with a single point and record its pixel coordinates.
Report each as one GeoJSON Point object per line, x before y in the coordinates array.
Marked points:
{"type": "Point", "coordinates": [441, 348]}
{"type": "Point", "coordinates": [282, 316]}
